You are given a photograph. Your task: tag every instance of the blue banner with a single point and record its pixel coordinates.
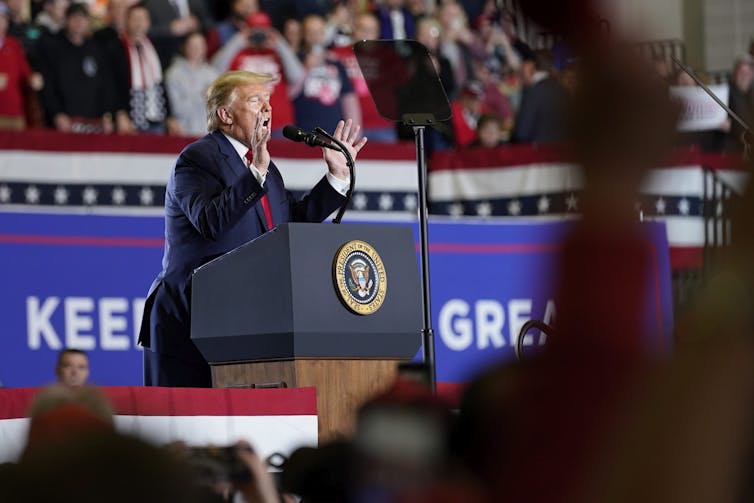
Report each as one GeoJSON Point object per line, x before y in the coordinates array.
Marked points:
{"type": "Point", "coordinates": [489, 279]}
{"type": "Point", "coordinates": [80, 281]}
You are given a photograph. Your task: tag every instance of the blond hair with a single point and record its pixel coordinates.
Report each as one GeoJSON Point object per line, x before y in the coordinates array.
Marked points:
{"type": "Point", "coordinates": [221, 91]}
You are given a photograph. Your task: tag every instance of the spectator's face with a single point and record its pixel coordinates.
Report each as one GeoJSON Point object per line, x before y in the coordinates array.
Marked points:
{"type": "Point", "coordinates": [528, 69]}
{"type": "Point", "coordinates": [489, 134]}
{"type": "Point", "coordinates": [366, 28]}
{"type": "Point", "coordinates": [428, 33]}
{"type": "Point", "coordinates": [138, 22]}
{"type": "Point", "coordinates": [73, 369]}
{"type": "Point", "coordinates": [195, 48]}
{"type": "Point", "coordinates": [743, 76]}
{"type": "Point", "coordinates": [314, 31]}
{"type": "Point", "coordinates": [248, 110]}
{"type": "Point", "coordinates": [244, 8]}
{"type": "Point", "coordinates": [292, 32]}
{"type": "Point", "coordinates": [485, 28]}
{"type": "Point", "coordinates": [452, 18]}
{"type": "Point", "coordinates": [56, 9]}
{"type": "Point", "coordinates": [15, 6]}
{"type": "Point", "coordinates": [117, 11]}
{"type": "Point", "coordinates": [417, 7]}
{"type": "Point", "coordinates": [77, 25]}
{"type": "Point", "coordinates": [3, 25]}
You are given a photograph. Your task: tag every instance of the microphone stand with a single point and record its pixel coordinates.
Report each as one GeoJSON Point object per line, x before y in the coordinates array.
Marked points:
{"type": "Point", "coordinates": [349, 162]}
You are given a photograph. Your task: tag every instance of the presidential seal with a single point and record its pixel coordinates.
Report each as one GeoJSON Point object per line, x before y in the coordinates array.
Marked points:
{"type": "Point", "coordinates": [359, 277]}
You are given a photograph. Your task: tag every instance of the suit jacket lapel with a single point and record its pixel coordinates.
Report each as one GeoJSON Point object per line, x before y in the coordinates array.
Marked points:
{"type": "Point", "coordinates": [232, 159]}
{"type": "Point", "coordinates": [239, 168]}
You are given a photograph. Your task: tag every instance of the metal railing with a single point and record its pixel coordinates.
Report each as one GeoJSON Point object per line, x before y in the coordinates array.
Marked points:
{"type": "Point", "coordinates": [718, 197]}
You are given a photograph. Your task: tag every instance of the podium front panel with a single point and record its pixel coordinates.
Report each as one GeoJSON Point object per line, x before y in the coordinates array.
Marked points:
{"type": "Point", "coordinates": [275, 298]}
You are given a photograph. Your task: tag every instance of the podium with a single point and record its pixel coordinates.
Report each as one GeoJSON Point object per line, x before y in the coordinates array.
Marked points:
{"type": "Point", "coordinates": [295, 307]}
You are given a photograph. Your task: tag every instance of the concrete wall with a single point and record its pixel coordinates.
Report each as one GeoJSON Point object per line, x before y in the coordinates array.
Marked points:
{"type": "Point", "coordinates": [645, 19]}
{"type": "Point", "coordinates": [714, 31]}
{"type": "Point", "coordinates": [728, 27]}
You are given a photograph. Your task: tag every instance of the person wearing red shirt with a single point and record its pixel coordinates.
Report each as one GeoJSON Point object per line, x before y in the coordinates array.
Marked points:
{"type": "Point", "coordinates": [466, 111]}
{"type": "Point", "coordinates": [16, 77]}
{"type": "Point", "coordinates": [366, 27]}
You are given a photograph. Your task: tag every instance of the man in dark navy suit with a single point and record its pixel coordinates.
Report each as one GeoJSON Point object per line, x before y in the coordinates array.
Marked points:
{"type": "Point", "coordinates": [223, 192]}
{"type": "Point", "coordinates": [541, 115]}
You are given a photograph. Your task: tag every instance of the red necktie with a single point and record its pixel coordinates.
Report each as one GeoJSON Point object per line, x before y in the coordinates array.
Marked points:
{"type": "Point", "coordinates": [265, 200]}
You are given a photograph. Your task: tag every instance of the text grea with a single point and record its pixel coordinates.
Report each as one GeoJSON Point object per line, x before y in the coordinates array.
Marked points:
{"type": "Point", "coordinates": [107, 323]}
{"type": "Point", "coordinates": [461, 323]}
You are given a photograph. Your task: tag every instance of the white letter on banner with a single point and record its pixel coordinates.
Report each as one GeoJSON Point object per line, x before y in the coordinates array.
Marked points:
{"type": "Point", "coordinates": [75, 323]}
{"type": "Point", "coordinates": [137, 309]}
{"type": "Point", "coordinates": [38, 323]}
{"type": "Point", "coordinates": [549, 319]}
{"type": "Point", "coordinates": [456, 333]}
{"type": "Point", "coordinates": [519, 312]}
{"type": "Point", "coordinates": [490, 318]}
{"type": "Point", "coordinates": [110, 323]}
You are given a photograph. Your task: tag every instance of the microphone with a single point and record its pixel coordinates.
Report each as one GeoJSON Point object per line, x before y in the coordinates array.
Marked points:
{"type": "Point", "coordinates": [295, 133]}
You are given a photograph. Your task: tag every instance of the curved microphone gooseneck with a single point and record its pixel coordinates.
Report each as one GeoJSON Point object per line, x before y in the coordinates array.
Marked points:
{"type": "Point", "coordinates": [349, 162]}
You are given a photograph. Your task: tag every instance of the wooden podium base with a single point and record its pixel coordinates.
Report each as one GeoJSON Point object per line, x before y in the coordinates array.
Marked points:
{"type": "Point", "coordinates": [342, 385]}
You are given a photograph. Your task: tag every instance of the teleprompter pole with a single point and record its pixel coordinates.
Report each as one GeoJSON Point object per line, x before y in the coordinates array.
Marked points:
{"type": "Point", "coordinates": [428, 336]}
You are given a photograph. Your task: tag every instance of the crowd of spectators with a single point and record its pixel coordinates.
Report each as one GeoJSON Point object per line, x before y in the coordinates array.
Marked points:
{"type": "Point", "coordinates": [596, 414]}
{"type": "Point", "coordinates": [141, 66]}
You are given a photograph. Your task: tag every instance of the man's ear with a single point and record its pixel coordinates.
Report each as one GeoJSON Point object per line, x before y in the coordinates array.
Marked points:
{"type": "Point", "coordinates": [224, 116]}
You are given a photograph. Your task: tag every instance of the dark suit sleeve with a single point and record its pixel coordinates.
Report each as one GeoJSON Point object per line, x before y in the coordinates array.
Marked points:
{"type": "Point", "coordinates": [523, 129]}
{"type": "Point", "coordinates": [108, 84]}
{"type": "Point", "coordinates": [52, 100]}
{"type": "Point", "coordinates": [318, 204]}
{"type": "Point", "coordinates": [541, 116]}
{"type": "Point", "coordinates": [315, 206]}
{"type": "Point", "coordinates": [203, 197]}
{"type": "Point", "coordinates": [122, 76]}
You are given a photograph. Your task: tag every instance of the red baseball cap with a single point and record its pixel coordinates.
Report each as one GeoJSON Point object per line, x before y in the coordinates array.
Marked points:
{"type": "Point", "coordinates": [259, 20]}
